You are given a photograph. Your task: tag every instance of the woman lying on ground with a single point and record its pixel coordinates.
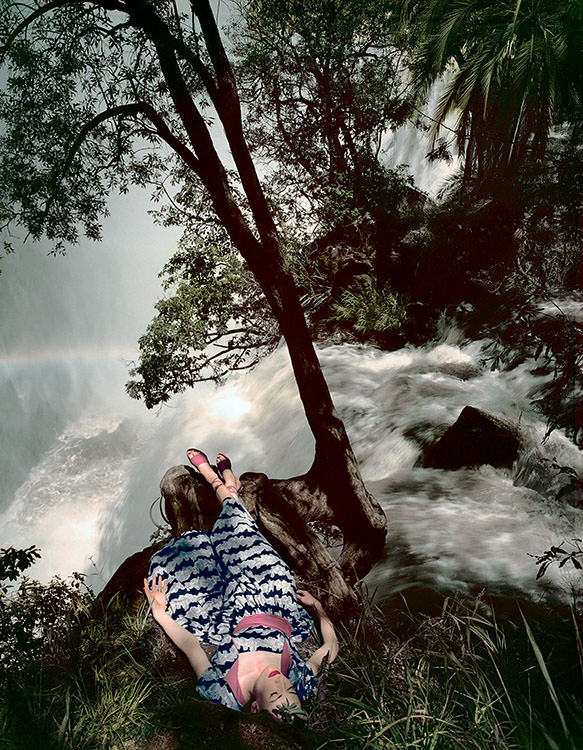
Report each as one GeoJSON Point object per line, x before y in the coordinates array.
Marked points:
{"type": "Point", "coordinates": [231, 588]}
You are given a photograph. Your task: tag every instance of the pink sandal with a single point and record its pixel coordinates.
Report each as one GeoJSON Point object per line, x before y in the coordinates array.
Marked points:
{"type": "Point", "coordinates": [200, 459]}
{"type": "Point", "coordinates": [197, 460]}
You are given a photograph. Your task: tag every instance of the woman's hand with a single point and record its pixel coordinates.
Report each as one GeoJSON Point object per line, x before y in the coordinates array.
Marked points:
{"type": "Point", "coordinates": [186, 642]}
{"type": "Point", "coordinates": [156, 595]}
{"type": "Point", "coordinates": [307, 600]}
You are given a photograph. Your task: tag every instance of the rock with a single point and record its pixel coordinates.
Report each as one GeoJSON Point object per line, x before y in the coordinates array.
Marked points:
{"type": "Point", "coordinates": [126, 582]}
{"type": "Point", "coordinates": [189, 501]}
{"type": "Point", "coordinates": [199, 725]}
{"type": "Point", "coordinates": [476, 438]}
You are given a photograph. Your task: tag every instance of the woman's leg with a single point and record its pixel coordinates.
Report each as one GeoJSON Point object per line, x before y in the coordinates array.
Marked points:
{"type": "Point", "coordinates": [209, 474]}
{"type": "Point", "coordinates": [231, 481]}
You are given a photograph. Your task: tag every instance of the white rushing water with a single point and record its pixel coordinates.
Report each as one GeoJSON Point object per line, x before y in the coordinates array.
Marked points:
{"type": "Point", "coordinates": [89, 491]}
{"type": "Point", "coordinates": [80, 463]}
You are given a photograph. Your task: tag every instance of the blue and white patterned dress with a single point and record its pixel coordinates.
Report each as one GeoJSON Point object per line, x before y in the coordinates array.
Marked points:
{"type": "Point", "coordinates": [217, 578]}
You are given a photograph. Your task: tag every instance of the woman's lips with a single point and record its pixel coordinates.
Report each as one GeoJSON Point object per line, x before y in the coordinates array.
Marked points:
{"type": "Point", "coordinates": [273, 673]}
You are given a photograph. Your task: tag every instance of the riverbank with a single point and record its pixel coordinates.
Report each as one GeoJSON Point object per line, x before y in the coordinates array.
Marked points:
{"type": "Point", "coordinates": [453, 676]}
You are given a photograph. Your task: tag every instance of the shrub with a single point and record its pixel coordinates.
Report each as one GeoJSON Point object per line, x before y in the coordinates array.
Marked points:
{"type": "Point", "coordinates": [367, 310]}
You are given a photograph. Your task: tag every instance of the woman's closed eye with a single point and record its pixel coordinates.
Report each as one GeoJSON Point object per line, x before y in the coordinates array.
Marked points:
{"type": "Point", "coordinates": [276, 696]}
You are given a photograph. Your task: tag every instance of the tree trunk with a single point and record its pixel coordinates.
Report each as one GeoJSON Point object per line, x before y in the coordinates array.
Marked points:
{"type": "Point", "coordinates": [334, 473]}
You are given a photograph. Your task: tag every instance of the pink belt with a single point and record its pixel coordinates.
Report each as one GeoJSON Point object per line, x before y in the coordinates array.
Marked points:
{"type": "Point", "coordinates": [271, 621]}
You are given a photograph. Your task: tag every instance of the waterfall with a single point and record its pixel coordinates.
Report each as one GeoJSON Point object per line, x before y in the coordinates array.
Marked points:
{"type": "Point", "coordinates": [89, 492]}
{"type": "Point", "coordinates": [409, 145]}
{"type": "Point", "coordinates": [68, 326]}
{"type": "Point", "coordinates": [80, 463]}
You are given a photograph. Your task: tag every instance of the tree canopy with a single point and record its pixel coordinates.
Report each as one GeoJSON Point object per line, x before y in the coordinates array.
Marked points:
{"type": "Point", "coordinates": [213, 321]}
{"type": "Point", "coordinates": [322, 82]}
{"type": "Point", "coordinates": [107, 93]}
{"type": "Point", "coordinates": [512, 71]}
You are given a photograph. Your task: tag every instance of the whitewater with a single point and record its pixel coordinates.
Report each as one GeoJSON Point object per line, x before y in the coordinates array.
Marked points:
{"type": "Point", "coordinates": [80, 462]}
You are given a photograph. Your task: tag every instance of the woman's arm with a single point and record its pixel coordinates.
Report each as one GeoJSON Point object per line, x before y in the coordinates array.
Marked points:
{"type": "Point", "coordinates": [327, 632]}
{"type": "Point", "coordinates": [186, 642]}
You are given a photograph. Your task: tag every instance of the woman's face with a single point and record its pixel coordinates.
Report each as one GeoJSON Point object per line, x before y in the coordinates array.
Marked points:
{"type": "Point", "coordinates": [273, 689]}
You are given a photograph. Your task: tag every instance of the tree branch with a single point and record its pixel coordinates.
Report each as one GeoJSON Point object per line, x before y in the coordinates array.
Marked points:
{"type": "Point", "coordinates": [124, 109]}
{"type": "Point", "coordinates": [212, 171]}
{"type": "Point", "coordinates": [29, 19]}
{"type": "Point", "coordinates": [229, 110]}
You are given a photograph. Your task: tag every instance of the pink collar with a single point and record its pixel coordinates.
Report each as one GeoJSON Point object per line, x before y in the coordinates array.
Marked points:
{"type": "Point", "coordinates": [271, 621]}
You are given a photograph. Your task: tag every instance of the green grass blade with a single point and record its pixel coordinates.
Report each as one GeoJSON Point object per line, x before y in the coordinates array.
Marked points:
{"type": "Point", "coordinates": [546, 675]}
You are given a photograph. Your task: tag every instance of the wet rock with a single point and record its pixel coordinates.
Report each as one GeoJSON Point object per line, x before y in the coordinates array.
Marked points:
{"type": "Point", "coordinates": [476, 438]}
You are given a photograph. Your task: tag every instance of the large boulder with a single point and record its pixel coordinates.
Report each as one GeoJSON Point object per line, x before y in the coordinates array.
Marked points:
{"type": "Point", "coordinates": [476, 438]}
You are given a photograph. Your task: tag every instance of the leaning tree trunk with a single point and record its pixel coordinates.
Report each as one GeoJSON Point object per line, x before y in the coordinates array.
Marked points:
{"type": "Point", "coordinates": [332, 490]}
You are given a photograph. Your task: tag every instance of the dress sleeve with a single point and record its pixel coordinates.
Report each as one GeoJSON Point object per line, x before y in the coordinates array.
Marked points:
{"type": "Point", "coordinates": [213, 687]}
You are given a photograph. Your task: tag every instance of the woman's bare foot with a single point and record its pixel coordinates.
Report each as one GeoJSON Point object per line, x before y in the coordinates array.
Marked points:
{"type": "Point", "coordinates": [199, 460]}
{"type": "Point", "coordinates": [232, 482]}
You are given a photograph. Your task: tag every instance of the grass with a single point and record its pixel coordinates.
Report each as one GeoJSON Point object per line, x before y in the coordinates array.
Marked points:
{"type": "Point", "coordinates": [98, 687]}
{"type": "Point", "coordinates": [458, 679]}
{"type": "Point", "coordinates": [455, 679]}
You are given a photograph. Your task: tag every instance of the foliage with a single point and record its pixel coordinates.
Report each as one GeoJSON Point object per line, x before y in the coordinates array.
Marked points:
{"type": "Point", "coordinates": [519, 248]}
{"type": "Point", "coordinates": [511, 72]}
{"type": "Point", "coordinates": [568, 554]}
{"type": "Point", "coordinates": [70, 678]}
{"type": "Point", "coordinates": [507, 224]}
{"type": "Point", "coordinates": [213, 301]}
{"type": "Point", "coordinates": [574, 485]}
{"type": "Point", "coordinates": [126, 100]}
{"type": "Point", "coordinates": [370, 312]}
{"type": "Point", "coordinates": [558, 554]}
{"type": "Point", "coordinates": [214, 320]}
{"type": "Point", "coordinates": [322, 82]}
{"type": "Point", "coordinates": [14, 561]}
{"type": "Point", "coordinates": [33, 616]}
{"type": "Point", "coordinates": [92, 688]}
{"type": "Point", "coordinates": [364, 309]}
{"type": "Point", "coordinates": [71, 118]}
{"type": "Point", "coordinates": [457, 678]}
{"type": "Point", "coordinates": [108, 694]}
{"type": "Point", "coordinates": [516, 263]}
{"type": "Point", "coordinates": [548, 237]}
{"type": "Point", "coordinates": [105, 95]}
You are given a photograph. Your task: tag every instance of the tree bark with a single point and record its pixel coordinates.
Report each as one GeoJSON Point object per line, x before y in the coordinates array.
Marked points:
{"type": "Point", "coordinates": [285, 511]}
{"type": "Point", "coordinates": [334, 473]}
